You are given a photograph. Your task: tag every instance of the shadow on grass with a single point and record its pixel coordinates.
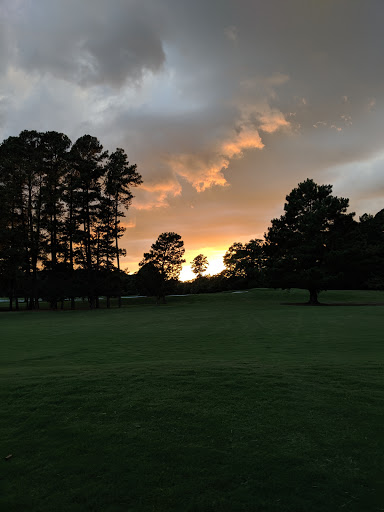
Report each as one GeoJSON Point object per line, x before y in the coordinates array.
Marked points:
{"type": "Point", "coordinates": [332, 304]}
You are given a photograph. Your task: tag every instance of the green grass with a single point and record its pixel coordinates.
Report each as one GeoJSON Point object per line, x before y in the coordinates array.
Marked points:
{"type": "Point", "coordinates": [226, 402]}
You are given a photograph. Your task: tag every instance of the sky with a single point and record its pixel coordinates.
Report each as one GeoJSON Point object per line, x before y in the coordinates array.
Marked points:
{"type": "Point", "coordinates": [225, 106]}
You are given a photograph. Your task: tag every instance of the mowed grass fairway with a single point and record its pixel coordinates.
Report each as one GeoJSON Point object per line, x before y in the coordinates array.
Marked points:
{"type": "Point", "coordinates": [226, 402]}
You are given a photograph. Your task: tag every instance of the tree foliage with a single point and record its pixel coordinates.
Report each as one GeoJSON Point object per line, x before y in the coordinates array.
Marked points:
{"type": "Point", "coordinates": [166, 254]}
{"type": "Point", "coordinates": [149, 281]}
{"type": "Point", "coordinates": [61, 206]}
{"type": "Point", "coordinates": [301, 243]}
{"type": "Point", "coordinates": [368, 262]}
{"type": "Point", "coordinates": [245, 260]}
{"type": "Point", "coordinates": [199, 265]}
{"type": "Point", "coordinates": [120, 178]}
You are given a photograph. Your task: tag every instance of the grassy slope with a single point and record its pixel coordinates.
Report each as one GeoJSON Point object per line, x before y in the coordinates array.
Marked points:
{"type": "Point", "coordinates": [227, 402]}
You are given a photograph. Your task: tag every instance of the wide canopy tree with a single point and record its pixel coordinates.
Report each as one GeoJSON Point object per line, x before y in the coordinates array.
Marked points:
{"type": "Point", "coordinates": [300, 244]}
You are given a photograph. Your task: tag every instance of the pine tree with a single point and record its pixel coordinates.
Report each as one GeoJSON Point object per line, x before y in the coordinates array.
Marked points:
{"type": "Point", "coordinates": [87, 158]}
{"type": "Point", "coordinates": [300, 243]}
{"type": "Point", "coordinates": [55, 160]}
{"type": "Point", "coordinates": [166, 255]}
{"type": "Point", "coordinates": [120, 178]}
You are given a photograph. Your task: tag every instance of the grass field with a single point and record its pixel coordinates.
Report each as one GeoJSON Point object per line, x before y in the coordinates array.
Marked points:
{"type": "Point", "coordinates": [226, 402]}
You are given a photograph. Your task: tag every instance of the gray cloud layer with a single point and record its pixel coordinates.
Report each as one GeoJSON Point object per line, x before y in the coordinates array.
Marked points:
{"type": "Point", "coordinates": [224, 105]}
{"type": "Point", "coordinates": [88, 43]}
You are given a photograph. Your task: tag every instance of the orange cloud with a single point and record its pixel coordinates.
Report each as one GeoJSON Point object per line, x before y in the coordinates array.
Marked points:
{"type": "Point", "coordinates": [201, 172]}
{"type": "Point", "coordinates": [203, 167]}
{"type": "Point", "coordinates": [155, 195]}
{"type": "Point", "coordinates": [273, 121]}
{"type": "Point", "coordinates": [246, 139]}
{"type": "Point", "coordinates": [128, 224]}
{"type": "Point", "coordinates": [205, 171]}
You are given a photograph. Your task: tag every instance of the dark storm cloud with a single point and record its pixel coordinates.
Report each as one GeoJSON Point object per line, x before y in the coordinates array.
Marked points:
{"type": "Point", "coordinates": [87, 42]}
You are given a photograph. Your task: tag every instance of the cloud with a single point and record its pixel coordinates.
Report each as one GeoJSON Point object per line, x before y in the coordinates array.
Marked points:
{"type": "Point", "coordinates": [231, 32]}
{"type": "Point", "coordinates": [204, 167]}
{"type": "Point", "coordinates": [86, 43]}
{"type": "Point", "coordinates": [201, 172]}
{"type": "Point", "coordinates": [156, 195]}
{"type": "Point", "coordinates": [248, 138]}
{"type": "Point", "coordinates": [371, 104]}
{"type": "Point", "coordinates": [128, 224]}
{"type": "Point", "coordinates": [216, 102]}
{"type": "Point", "coordinates": [273, 121]}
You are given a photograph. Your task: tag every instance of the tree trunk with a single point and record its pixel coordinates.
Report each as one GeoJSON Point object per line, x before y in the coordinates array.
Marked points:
{"type": "Point", "coordinates": [98, 250]}
{"type": "Point", "coordinates": [117, 248]}
{"type": "Point", "coordinates": [313, 296]}
{"type": "Point", "coordinates": [70, 240]}
{"type": "Point", "coordinates": [72, 302]}
{"type": "Point", "coordinates": [17, 303]}
{"type": "Point", "coordinates": [108, 301]}
{"type": "Point", "coordinates": [117, 238]}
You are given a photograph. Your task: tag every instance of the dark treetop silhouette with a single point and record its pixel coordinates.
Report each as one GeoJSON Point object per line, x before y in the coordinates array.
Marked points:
{"type": "Point", "coordinates": [60, 212]}
{"type": "Point", "coordinates": [199, 265]}
{"type": "Point", "coordinates": [245, 260]}
{"type": "Point", "coordinates": [166, 255]}
{"type": "Point", "coordinates": [299, 245]}
{"type": "Point", "coordinates": [60, 217]}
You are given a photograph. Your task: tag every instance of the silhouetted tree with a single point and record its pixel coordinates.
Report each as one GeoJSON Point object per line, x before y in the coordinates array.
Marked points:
{"type": "Point", "coordinates": [166, 255]}
{"type": "Point", "coordinates": [299, 245]}
{"type": "Point", "coordinates": [245, 261]}
{"type": "Point", "coordinates": [199, 265]}
{"type": "Point", "coordinates": [149, 281]}
{"type": "Point", "coordinates": [368, 264]}
{"type": "Point", "coordinates": [88, 158]}
{"type": "Point", "coordinates": [23, 170]}
{"type": "Point", "coordinates": [60, 210]}
{"type": "Point", "coordinates": [120, 178]}
{"type": "Point", "coordinates": [55, 152]}
{"type": "Point", "coordinates": [13, 230]}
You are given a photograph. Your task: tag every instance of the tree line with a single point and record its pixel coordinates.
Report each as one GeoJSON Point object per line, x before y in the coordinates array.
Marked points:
{"type": "Point", "coordinates": [61, 206]}
{"type": "Point", "coordinates": [315, 245]}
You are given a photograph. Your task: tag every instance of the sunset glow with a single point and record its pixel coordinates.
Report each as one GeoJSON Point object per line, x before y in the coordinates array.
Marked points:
{"type": "Point", "coordinates": [215, 260]}
{"type": "Point", "coordinates": [222, 115]}
{"type": "Point", "coordinates": [141, 139]}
